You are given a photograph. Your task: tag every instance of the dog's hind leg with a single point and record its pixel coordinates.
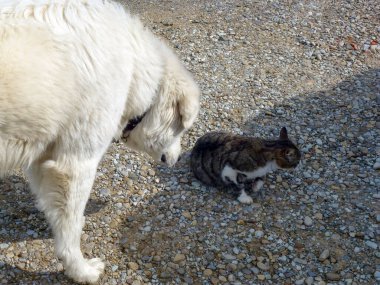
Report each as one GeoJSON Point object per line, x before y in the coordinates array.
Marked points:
{"type": "Point", "coordinates": [62, 190]}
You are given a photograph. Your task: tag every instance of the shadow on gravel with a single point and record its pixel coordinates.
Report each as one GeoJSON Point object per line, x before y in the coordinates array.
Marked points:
{"type": "Point", "coordinates": [18, 276]}
{"type": "Point", "coordinates": [185, 228]}
{"type": "Point", "coordinates": [20, 220]}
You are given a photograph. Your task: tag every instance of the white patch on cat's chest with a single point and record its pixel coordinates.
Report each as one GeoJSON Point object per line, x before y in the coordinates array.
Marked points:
{"type": "Point", "coordinates": [230, 173]}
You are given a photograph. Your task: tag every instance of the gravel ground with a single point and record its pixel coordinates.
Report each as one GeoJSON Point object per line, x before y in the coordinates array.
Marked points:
{"type": "Point", "coordinates": [313, 66]}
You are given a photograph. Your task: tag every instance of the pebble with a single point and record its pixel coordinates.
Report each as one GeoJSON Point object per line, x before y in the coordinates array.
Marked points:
{"type": "Point", "coordinates": [133, 266]}
{"type": "Point", "coordinates": [371, 244]}
{"type": "Point", "coordinates": [263, 266]}
{"type": "Point", "coordinates": [227, 256]}
{"type": "Point", "coordinates": [187, 215]}
{"type": "Point", "coordinates": [377, 275]}
{"type": "Point", "coordinates": [308, 221]}
{"type": "Point", "coordinates": [179, 257]}
{"type": "Point", "coordinates": [324, 255]}
{"type": "Point", "coordinates": [309, 280]}
{"type": "Point", "coordinates": [333, 276]}
{"type": "Point", "coordinates": [207, 272]}
{"type": "Point", "coordinates": [261, 277]}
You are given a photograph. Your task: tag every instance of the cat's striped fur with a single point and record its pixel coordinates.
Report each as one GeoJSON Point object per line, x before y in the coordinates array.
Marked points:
{"type": "Point", "coordinates": [223, 159]}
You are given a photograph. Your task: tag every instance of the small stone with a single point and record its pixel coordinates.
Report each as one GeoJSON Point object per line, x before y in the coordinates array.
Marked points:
{"type": "Point", "coordinates": [263, 266]}
{"type": "Point", "coordinates": [333, 276]}
{"type": "Point", "coordinates": [376, 166]}
{"type": "Point", "coordinates": [324, 255]}
{"type": "Point", "coordinates": [298, 245]}
{"type": "Point", "coordinates": [207, 272]}
{"type": "Point", "coordinates": [259, 234]}
{"type": "Point", "coordinates": [308, 221]}
{"type": "Point", "coordinates": [104, 192]}
{"type": "Point", "coordinates": [20, 265]}
{"type": "Point", "coordinates": [309, 280]}
{"type": "Point", "coordinates": [255, 270]}
{"type": "Point", "coordinates": [222, 278]}
{"type": "Point", "coordinates": [300, 281]}
{"type": "Point", "coordinates": [371, 244]}
{"type": "Point", "coordinates": [133, 266]}
{"type": "Point", "coordinates": [179, 257]}
{"type": "Point", "coordinates": [377, 275]}
{"type": "Point", "coordinates": [186, 214]}
{"type": "Point", "coordinates": [318, 216]}
{"type": "Point", "coordinates": [147, 229]}
{"type": "Point", "coordinates": [261, 277]}
{"type": "Point", "coordinates": [231, 267]}
{"type": "Point", "coordinates": [227, 256]}
{"type": "Point", "coordinates": [165, 274]}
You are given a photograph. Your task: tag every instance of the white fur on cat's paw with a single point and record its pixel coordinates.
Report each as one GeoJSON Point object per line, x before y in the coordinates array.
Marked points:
{"type": "Point", "coordinates": [245, 199]}
{"type": "Point", "coordinates": [86, 271]}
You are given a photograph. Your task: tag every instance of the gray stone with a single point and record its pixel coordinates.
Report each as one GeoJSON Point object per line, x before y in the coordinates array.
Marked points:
{"type": "Point", "coordinates": [324, 255]}
{"type": "Point", "coordinates": [308, 221]}
{"type": "Point", "coordinates": [371, 244]}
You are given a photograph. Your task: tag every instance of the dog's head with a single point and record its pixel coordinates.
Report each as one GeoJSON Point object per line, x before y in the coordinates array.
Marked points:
{"type": "Point", "coordinates": [174, 111]}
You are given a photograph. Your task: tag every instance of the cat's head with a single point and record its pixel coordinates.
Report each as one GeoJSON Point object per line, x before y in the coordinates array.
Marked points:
{"type": "Point", "coordinates": [287, 155]}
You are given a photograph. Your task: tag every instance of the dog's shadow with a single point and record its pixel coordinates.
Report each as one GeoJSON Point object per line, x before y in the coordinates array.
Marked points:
{"type": "Point", "coordinates": [34, 278]}
{"type": "Point", "coordinates": [21, 221]}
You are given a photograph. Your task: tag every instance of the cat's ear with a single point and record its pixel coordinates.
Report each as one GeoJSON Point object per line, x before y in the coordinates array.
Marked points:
{"type": "Point", "coordinates": [283, 134]}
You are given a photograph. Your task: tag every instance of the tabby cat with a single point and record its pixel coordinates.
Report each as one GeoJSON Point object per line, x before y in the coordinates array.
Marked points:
{"type": "Point", "coordinates": [223, 159]}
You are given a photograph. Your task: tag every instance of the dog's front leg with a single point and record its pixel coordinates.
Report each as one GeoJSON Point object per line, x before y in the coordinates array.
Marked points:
{"type": "Point", "coordinates": [62, 190]}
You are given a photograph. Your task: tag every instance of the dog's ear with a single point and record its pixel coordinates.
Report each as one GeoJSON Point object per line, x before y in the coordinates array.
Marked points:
{"type": "Point", "coordinates": [188, 106]}
{"type": "Point", "coordinates": [180, 84]}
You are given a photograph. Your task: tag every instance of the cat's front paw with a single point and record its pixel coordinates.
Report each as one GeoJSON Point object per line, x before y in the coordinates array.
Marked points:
{"type": "Point", "coordinates": [244, 198]}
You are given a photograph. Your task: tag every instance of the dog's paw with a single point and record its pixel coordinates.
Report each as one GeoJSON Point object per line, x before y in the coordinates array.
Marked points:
{"type": "Point", "coordinates": [245, 199]}
{"type": "Point", "coordinates": [86, 271]}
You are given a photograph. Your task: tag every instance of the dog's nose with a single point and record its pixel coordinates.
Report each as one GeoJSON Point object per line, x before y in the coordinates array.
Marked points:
{"type": "Point", "coordinates": [163, 158]}
{"type": "Point", "coordinates": [179, 157]}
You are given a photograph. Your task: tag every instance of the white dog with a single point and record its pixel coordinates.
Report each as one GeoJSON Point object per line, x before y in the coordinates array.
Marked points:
{"type": "Point", "coordinates": [73, 75]}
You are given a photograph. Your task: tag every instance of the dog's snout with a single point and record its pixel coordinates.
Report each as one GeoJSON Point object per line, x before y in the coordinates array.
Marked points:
{"type": "Point", "coordinates": [163, 158]}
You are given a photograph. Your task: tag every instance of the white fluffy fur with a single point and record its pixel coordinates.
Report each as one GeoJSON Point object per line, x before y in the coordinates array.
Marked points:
{"type": "Point", "coordinates": [72, 73]}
